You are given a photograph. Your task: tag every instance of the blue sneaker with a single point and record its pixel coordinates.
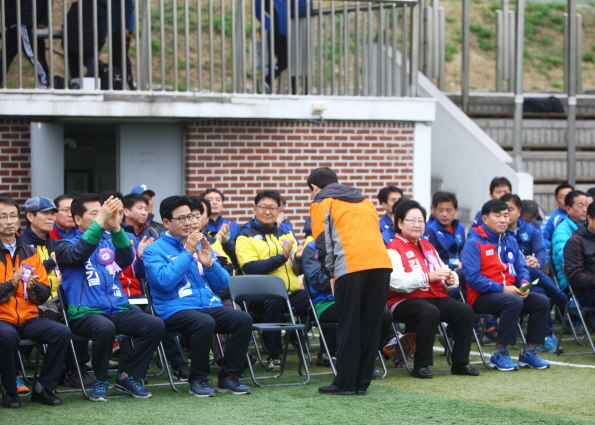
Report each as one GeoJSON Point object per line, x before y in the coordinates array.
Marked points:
{"type": "Point", "coordinates": [550, 344]}
{"type": "Point", "coordinates": [232, 385]}
{"type": "Point", "coordinates": [201, 388]}
{"type": "Point", "coordinates": [132, 386]}
{"type": "Point", "coordinates": [98, 391]}
{"type": "Point", "coordinates": [501, 360]}
{"type": "Point", "coordinates": [532, 360]}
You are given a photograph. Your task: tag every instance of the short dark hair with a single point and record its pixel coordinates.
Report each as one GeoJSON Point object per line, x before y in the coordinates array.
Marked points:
{"type": "Point", "coordinates": [213, 189]}
{"type": "Point", "coordinates": [591, 192]}
{"type": "Point", "coordinates": [322, 177]}
{"type": "Point", "coordinates": [273, 194]}
{"type": "Point", "coordinates": [500, 181]}
{"type": "Point", "coordinates": [384, 193]}
{"type": "Point", "coordinates": [169, 204]}
{"type": "Point", "coordinates": [561, 186]}
{"type": "Point", "coordinates": [107, 193]}
{"type": "Point", "coordinates": [569, 200]}
{"type": "Point", "coordinates": [494, 206]}
{"type": "Point", "coordinates": [77, 208]}
{"type": "Point", "coordinates": [591, 210]}
{"type": "Point", "coordinates": [403, 207]}
{"type": "Point", "coordinates": [61, 198]}
{"type": "Point", "coordinates": [444, 197]}
{"type": "Point", "coordinates": [5, 199]}
{"type": "Point", "coordinates": [198, 203]}
{"type": "Point", "coordinates": [510, 197]}
{"type": "Point", "coordinates": [530, 207]}
{"type": "Point", "coordinates": [132, 199]}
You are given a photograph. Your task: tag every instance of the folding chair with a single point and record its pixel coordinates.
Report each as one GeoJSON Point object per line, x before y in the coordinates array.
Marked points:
{"type": "Point", "coordinates": [251, 288]}
{"type": "Point", "coordinates": [575, 308]}
{"type": "Point", "coordinates": [32, 381]}
{"type": "Point", "coordinates": [481, 316]}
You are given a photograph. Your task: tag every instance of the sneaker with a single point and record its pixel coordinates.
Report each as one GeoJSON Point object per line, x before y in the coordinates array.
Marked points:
{"type": "Point", "coordinates": [98, 391]}
{"type": "Point", "coordinates": [325, 360]}
{"type": "Point", "coordinates": [21, 387]}
{"type": "Point", "coordinates": [501, 360]}
{"type": "Point", "coordinates": [408, 344]}
{"type": "Point", "coordinates": [550, 344]}
{"type": "Point", "coordinates": [232, 385]}
{"type": "Point", "coordinates": [201, 388]}
{"type": "Point", "coordinates": [132, 386]}
{"type": "Point", "coordinates": [183, 372]}
{"type": "Point", "coordinates": [532, 360]}
{"type": "Point", "coordinates": [274, 364]}
{"type": "Point", "coordinates": [72, 379]}
{"type": "Point", "coordinates": [491, 334]}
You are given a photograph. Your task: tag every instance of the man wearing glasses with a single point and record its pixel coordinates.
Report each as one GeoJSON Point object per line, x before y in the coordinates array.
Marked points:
{"type": "Point", "coordinates": [64, 226]}
{"type": "Point", "coordinates": [183, 275]}
{"type": "Point", "coordinates": [264, 248]}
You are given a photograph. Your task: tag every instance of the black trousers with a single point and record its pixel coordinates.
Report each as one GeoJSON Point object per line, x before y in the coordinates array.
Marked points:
{"type": "Point", "coordinates": [12, 45]}
{"type": "Point", "coordinates": [360, 298]}
{"type": "Point", "coordinates": [54, 334]}
{"type": "Point", "coordinates": [426, 314]}
{"type": "Point", "coordinates": [510, 308]}
{"type": "Point", "coordinates": [102, 329]}
{"type": "Point", "coordinates": [199, 326]}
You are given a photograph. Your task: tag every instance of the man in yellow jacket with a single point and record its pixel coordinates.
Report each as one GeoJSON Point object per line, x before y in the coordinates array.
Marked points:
{"type": "Point", "coordinates": [352, 254]}
{"type": "Point", "coordinates": [264, 248]}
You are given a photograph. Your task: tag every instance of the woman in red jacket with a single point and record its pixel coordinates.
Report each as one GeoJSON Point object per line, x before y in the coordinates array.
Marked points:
{"type": "Point", "coordinates": [417, 294]}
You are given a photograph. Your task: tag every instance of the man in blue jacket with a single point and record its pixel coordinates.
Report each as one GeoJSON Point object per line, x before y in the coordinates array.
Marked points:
{"type": "Point", "coordinates": [551, 221]}
{"type": "Point", "coordinates": [97, 305]}
{"type": "Point", "coordinates": [445, 232]}
{"type": "Point", "coordinates": [183, 276]}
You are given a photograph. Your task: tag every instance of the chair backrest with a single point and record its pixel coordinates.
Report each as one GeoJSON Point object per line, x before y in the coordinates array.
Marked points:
{"type": "Point", "coordinates": [63, 304]}
{"type": "Point", "coordinates": [257, 288]}
{"type": "Point", "coordinates": [462, 285]}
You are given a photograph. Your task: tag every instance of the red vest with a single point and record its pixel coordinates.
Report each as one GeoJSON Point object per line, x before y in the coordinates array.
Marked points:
{"type": "Point", "coordinates": [414, 260]}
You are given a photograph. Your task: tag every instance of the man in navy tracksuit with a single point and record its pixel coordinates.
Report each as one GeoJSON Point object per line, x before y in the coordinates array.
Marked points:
{"type": "Point", "coordinates": [183, 275]}
{"type": "Point", "coordinates": [98, 308]}
{"type": "Point", "coordinates": [531, 246]}
{"type": "Point", "coordinates": [495, 271]}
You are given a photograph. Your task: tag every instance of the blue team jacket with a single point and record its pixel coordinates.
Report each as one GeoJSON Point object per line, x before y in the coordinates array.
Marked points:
{"type": "Point", "coordinates": [530, 241]}
{"type": "Point", "coordinates": [449, 246]}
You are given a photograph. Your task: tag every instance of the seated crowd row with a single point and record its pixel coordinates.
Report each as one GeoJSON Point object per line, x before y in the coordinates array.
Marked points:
{"type": "Point", "coordinates": [99, 249]}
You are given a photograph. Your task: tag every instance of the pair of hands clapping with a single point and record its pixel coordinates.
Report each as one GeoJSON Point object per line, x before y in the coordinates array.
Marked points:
{"type": "Point", "coordinates": [31, 282]}
{"type": "Point", "coordinates": [204, 255]}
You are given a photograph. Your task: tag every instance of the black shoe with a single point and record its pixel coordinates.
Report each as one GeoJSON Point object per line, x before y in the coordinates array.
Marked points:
{"type": "Point", "coordinates": [360, 392]}
{"type": "Point", "coordinates": [72, 379]}
{"type": "Point", "coordinates": [376, 374]}
{"type": "Point", "coordinates": [465, 370]}
{"type": "Point", "coordinates": [46, 397]}
{"type": "Point", "coordinates": [332, 390]}
{"type": "Point", "coordinates": [183, 372]}
{"type": "Point", "coordinates": [11, 401]}
{"type": "Point", "coordinates": [421, 372]}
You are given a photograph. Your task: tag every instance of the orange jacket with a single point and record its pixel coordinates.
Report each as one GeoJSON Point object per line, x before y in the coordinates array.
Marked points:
{"type": "Point", "coordinates": [345, 228]}
{"type": "Point", "coordinates": [14, 308]}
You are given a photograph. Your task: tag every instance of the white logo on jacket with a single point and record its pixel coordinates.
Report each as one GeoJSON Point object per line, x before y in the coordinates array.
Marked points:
{"type": "Point", "coordinates": [490, 252]}
{"type": "Point", "coordinates": [410, 254]}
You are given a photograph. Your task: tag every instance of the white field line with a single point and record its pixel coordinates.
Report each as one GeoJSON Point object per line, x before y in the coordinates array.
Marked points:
{"type": "Point", "coordinates": [552, 362]}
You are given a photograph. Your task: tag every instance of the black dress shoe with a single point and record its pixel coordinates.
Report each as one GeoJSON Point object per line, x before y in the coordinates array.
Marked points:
{"type": "Point", "coordinates": [466, 370]}
{"type": "Point", "coordinates": [46, 397]}
{"type": "Point", "coordinates": [360, 392]}
{"type": "Point", "coordinates": [421, 372]}
{"type": "Point", "coordinates": [11, 401]}
{"type": "Point", "coordinates": [332, 390]}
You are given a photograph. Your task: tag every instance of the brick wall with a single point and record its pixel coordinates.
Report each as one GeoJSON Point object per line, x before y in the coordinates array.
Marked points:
{"type": "Point", "coordinates": [15, 158]}
{"type": "Point", "coordinates": [242, 157]}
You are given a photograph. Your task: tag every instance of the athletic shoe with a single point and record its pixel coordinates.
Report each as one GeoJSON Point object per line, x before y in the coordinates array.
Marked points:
{"type": "Point", "coordinates": [21, 387]}
{"type": "Point", "coordinates": [183, 372]}
{"type": "Point", "coordinates": [491, 333]}
{"type": "Point", "coordinates": [232, 385]}
{"type": "Point", "coordinates": [501, 360]}
{"type": "Point", "coordinates": [274, 364]}
{"type": "Point", "coordinates": [201, 388]}
{"type": "Point", "coordinates": [532, 360]}
{"type": "Point", "coordinates": [98, 391]}
{"type": "Point", "coordinates": [408, 344]}
{"type": "Point", "coordinates": [72, 379]}
{"type": "Point", "coordinates": [550, 344]}
{"type": "Point", "coordinates": [132, 386]}
{"type": "Point", "coordinates": [325, 360]}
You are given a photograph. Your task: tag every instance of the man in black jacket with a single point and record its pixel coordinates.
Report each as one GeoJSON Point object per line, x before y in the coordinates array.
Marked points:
{"type": "Point", "coordinates": [579, 260]}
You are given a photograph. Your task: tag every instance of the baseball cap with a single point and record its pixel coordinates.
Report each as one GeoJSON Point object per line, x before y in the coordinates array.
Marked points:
{"type": "Point", "coordinates": [142, 188]}
{"type": "Point", "coordinates": [39, 204]}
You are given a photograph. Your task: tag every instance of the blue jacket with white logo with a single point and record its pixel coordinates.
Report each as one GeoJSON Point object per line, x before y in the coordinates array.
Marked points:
{"type": "Point", "coordinates": [530, 241]}
{"type": "Point", "coordinates": [177, 281]}
{"type": "Point", "coordinates": [448, 245]}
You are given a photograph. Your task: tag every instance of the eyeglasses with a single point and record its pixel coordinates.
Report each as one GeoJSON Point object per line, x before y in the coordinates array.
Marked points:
{"type": "Point", "coordinates": [183, 218]}
{"type": "Point", "coordinates": [414, 220]}
{"type": "Point", "coordinates": [13, 217]}
{"type": "Point", "coordinates": [64, 210]}
{"type": "Point", "coordinates": [264, 208]}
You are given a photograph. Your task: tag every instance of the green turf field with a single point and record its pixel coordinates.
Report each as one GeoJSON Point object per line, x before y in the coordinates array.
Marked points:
{"type": "Point", "coordinates": [563, 394]}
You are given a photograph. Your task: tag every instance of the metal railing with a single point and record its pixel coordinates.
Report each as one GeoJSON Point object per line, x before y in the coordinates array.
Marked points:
{"type": "Point", "coordinates": [344, 48]}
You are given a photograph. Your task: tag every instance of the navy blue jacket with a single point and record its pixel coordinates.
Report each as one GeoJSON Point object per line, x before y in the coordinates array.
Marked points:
{"type": "Point", "coordinates": [530, 241]}
{"type": "Point", "coordinates": [449, 246]}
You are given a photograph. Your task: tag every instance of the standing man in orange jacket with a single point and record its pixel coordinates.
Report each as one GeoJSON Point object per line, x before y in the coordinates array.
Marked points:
{"type": "Point", "coordinates": [352, 254]}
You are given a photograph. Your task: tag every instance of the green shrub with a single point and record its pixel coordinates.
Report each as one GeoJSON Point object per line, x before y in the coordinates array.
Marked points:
{"type": "Point", "coordinates": [450, 50]}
